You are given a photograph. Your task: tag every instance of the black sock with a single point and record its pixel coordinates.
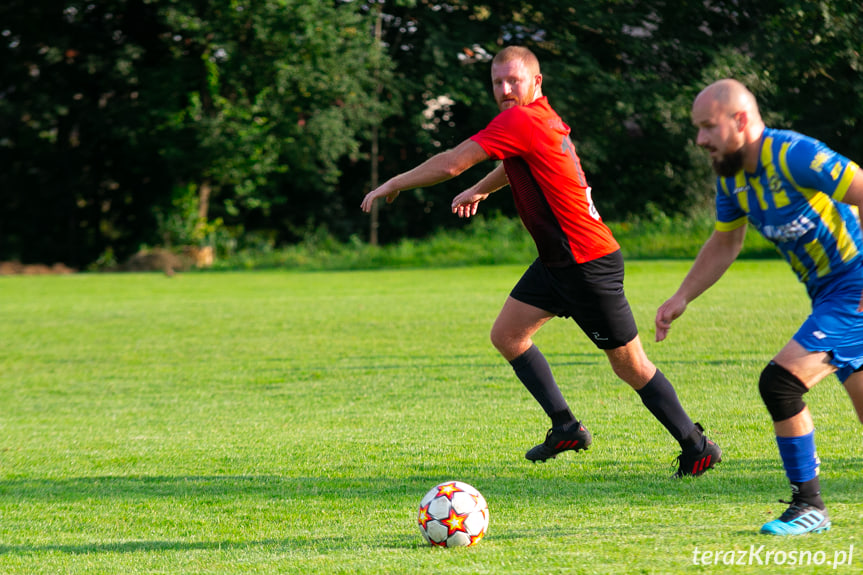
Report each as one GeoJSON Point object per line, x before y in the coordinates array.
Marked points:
{"type": "Point", "coordinates": [563, 420]}
{"type": "Point", "coordinates": [661, 399]}
{"type": "Point", "coordinates": [695, 441]}
{"type": "Point", "coordinates": [534, 372]}
{"type": "Point", "coordinates": [808, 492]}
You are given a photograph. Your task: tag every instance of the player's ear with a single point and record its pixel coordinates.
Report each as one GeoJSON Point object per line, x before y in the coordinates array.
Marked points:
{"type": "Point", "coordinates": [741, 119]}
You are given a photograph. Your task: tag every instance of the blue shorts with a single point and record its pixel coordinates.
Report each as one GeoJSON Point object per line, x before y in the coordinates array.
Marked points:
{"type": "Point", "coordinates": [835, 326]}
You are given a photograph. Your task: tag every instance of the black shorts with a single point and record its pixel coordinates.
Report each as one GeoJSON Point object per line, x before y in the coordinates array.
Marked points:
{"type": "Point", "coordinates": [590, 293]}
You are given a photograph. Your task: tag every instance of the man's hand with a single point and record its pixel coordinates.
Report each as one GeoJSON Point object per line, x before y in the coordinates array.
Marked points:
{"type": "Point", "coordinates": [466, 203]}
{"type": "Point", "coordinates": [378, 193]}
{"type": "Point", "coordinates": [667, 313]}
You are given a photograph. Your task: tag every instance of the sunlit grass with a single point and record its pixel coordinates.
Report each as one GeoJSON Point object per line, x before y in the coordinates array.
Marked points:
{"type": "Point", "coordinates": [286, 422]}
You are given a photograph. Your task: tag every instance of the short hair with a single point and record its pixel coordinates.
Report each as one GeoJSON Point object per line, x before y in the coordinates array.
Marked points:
{"type": "Point", "coordinates": [511, 53]}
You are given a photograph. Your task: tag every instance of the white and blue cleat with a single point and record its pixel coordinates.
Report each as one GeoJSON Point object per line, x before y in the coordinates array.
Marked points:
{"type": "Point", "coordinates": [798, 519]}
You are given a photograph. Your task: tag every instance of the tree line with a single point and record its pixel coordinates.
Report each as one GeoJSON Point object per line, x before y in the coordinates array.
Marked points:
{"type": "Point", "coordinates": [126, 123]}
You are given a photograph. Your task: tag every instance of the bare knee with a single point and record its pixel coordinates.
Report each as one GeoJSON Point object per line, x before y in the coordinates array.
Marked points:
{"type": "Point", "coordinates": [514, 327]}
{"type": "Point", "coordinates": [509, 345]}
{"type": "Point", "coordinates": [630, 363]}
{"type": "Point", "coordinates": [634, 375]}
{"type": "Point", "coordinates": [497, 339]}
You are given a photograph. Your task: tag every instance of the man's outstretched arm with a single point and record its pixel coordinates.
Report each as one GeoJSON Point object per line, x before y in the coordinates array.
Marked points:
{"type": "Point", "coordinates": [465, 204]}
{"type": "Point", "coordinates": [437, 169]}
{"type": "Point", "coordinates": [716, 256]}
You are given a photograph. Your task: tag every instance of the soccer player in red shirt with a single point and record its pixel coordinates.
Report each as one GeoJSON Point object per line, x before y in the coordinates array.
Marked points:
{"type": "Point", "coordinates": [579, 271]}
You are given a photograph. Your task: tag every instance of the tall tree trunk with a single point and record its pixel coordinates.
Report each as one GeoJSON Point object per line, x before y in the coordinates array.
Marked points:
{"type": "Point", "coordinates": [204, 191]}
{"type": "Point", "coordinates": [375, 223]}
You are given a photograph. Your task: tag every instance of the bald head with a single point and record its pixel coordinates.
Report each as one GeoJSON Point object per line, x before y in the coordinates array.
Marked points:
{"type": "Point", "coordinates": [729, 126]}
{"type": "Point", "coordinates": [731, 96]}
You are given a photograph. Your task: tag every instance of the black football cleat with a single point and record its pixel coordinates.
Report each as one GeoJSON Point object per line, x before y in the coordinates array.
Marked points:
{"type": "Point", "coordinates": [557, 441]}
{"type": "Point", "coordinates": [697, 462]}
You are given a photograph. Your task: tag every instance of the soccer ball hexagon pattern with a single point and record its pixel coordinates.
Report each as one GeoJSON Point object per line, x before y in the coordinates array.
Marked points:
{"type": "Point", "coordinates": [453, 514]}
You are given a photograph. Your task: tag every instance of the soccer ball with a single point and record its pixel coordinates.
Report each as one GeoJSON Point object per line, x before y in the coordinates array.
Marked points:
{"type": "Point", "coordinates": [453, 514]}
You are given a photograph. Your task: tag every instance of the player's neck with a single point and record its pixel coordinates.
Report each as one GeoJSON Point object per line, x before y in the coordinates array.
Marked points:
{"type": "Point", "coordinates": [752, 154]}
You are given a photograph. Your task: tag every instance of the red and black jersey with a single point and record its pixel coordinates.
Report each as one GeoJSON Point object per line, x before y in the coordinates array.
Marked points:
{"type": "Point", "coordinates": [548, 184]}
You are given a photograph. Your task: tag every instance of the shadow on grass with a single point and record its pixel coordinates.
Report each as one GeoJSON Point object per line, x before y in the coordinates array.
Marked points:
{"type": "Point", "coordinates": [366, 362]}
{"type": "Point", "coordinates": [317, 543]}
{"type": "Point", "coordinates": [605, 478]}
{"type": "Point", "coordinates": [378, 364]}
{"type": "Point", "coordinates": [602, 485]}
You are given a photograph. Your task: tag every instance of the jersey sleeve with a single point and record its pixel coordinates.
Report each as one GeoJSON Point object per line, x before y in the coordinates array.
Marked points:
{"type": "Point", "coordinates": [729, 214]}
{"type": "Point", "coordinates": [810, 164]}
{"type": "Point", "coordinates": [507, 135]}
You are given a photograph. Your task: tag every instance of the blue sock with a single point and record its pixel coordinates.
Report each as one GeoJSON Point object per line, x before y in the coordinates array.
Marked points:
{"type": "Point", "coordinates": [799, 457]}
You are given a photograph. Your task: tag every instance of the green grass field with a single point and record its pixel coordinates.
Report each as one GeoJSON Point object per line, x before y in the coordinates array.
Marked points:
{"type": "Point", "coordinates": [285, 422]}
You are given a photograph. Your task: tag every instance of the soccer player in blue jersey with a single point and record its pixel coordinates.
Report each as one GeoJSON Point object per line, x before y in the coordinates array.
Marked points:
{"type": "Point", "coordinates": [807, 200]}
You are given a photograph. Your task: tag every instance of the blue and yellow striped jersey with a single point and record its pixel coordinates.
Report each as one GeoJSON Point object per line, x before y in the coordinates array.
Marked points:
{"type": "Point", "coordinates": [794, 200]}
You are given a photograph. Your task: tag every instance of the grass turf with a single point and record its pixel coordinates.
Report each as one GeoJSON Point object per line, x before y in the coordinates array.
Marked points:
{"type": "Point", "coordinates": [282, 422]}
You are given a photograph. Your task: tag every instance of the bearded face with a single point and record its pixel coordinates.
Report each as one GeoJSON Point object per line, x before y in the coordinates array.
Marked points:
{"type": "Point", "coordinates": [729, 164]}
{"type": "Point", "coordinates": [720, 134]}
{"type": "Point", "coordinates": [514, 84]}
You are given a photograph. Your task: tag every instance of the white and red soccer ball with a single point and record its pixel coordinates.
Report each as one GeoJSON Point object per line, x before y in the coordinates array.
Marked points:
{"type": "Point", "coordinates": [453, 514]}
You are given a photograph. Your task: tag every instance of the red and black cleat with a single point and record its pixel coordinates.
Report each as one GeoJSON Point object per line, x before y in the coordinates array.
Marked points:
{"type": "Point", "coordinates": [696, 463]}
{"type": "Point", "coordinates": [575, 439]}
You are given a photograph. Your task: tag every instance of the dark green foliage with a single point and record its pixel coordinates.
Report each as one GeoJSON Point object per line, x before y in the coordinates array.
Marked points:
{"type": "Point", "coordinates": [114, 108]}
{"type": "Point", "coordinates": [253, 119]}
{"type": "Point", "coordinates": [487, 241]}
